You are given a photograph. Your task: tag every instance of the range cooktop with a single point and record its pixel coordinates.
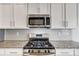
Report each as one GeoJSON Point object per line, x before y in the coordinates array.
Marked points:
{"type": "Point", "coordinates": [39, 43]}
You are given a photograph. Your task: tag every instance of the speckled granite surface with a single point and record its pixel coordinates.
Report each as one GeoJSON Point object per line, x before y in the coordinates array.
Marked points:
{"type": "Point", "coordinates": [65, 44]}
{"type": "Point", "coordinates": [13, 43]}
{"type": "Point", "coordinates": [56, 44]}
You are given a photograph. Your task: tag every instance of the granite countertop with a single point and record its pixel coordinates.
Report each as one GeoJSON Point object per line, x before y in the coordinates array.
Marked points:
{"type": "Point", "coordinates": [13, 43]}
{"type": "Point", "coordinates": [65, 44]}
{"type": "Point", "coordinates": [57, 44]}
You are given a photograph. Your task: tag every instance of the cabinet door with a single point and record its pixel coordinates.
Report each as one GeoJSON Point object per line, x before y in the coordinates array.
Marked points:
{"type": "Point", "coordinates": [71, 15]}
{"type": "Point", "coordinates": [64, 52]}
{"type": "Point", "coordinates": [39, 8]}
{"type": "Point", "coordinates": [33, 8]}
{"type": "Point", "coordinates": [76, 52]}
{"type": "Point", "coordinates": [2, 52]}
{"type": "Point", "coordinates": [0, 15]}
{"type": "Point", "coordinates": [13, 51]}
{"type": "Point", "coordinates": [57, 16]}
{"type": "Point", "coordinates": [20, 14]}
{"type": "Point", "coordinates": [6, 15]}
{"type": "Point", "coordinates": [45, 8]}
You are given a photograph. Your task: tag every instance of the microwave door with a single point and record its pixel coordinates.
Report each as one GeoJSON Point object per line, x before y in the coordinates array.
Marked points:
{"type": "Point", "coordinates": [36, 21]}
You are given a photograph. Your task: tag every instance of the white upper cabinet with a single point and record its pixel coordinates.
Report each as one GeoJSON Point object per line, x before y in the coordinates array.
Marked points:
{"type": "Point", "coordinates": [44, 8]}
{"type": "Point", "coordinates": [64, 15]}
{"type": "Point", "coordinates": [57, 15]}
{"type": "Point", "coordinates": [13, 16]}
{"type": "Point", "coordinates": [71, 15]}
{"type": "Point", "coordinates": [38, 8]}
{"type": "Point", "coordinates": [20, 14]}
{"type": "Point", "coordinates": [0, 15]}
{"type": "Point", "coordinates": [33, 8]}
{"type": "Point", "coordinates": [6, 15]}
{"type": "Point", "coordinates": [78, 15]}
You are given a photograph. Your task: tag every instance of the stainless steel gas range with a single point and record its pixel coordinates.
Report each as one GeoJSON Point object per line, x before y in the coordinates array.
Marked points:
{"type": "Point", "coordinates": [38, 45]}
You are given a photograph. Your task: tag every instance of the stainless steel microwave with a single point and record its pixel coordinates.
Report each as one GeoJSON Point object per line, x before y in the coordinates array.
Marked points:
{"type": "Point", "coordinates": [35, 21]}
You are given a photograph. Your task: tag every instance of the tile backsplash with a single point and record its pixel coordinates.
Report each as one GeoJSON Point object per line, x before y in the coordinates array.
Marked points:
{"type": "Point", "coordinates": [53, 34]}
{"type": "Point", "coordinates": [1, 35]}
{"type": "Point", "coordinates": [16, 34]}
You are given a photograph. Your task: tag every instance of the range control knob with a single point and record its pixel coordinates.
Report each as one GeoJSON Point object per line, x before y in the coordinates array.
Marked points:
{"type": "Point", "coordinates": [38, 51]}
{"type": "Point", "coordinates": [32, 51]}
{"type": "Point", "coordinates": [28, 51]}
{"type": "Point", "coordinates": [45, 51]}
{"type": "Point", "coordinates": [48, 51]}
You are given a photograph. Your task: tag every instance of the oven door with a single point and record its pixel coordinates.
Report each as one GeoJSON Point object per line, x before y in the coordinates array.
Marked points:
{"type": "Point", "coordinates": [36, 21]}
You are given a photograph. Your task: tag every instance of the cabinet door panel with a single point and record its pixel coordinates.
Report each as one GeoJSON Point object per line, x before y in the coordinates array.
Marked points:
{"type": "Point", "coordinates": [45, 8]}
{"type": "Point", "coordinates": [34, 8]}
{"type": "Point", "coordinates": [6, 15]}
{"type": "Point", "coordinates": [71, 15]}
{"type": "Point", "coordinates": [2, 52]}
{"type": "Point", "coordinates": [0, 15]}
{"type": "Point", "coordinates": [20, 14]}
{"type": "Point", "coordinates": [64, 52]}
{"type": "Point", "coordinates": [57, 16]}
{"type": "Point", "coordinates": [38, 8]}
{"type": "Point", "coordinates": [76, 52]}
{"type": "Point", "coordinates": [13, 52]}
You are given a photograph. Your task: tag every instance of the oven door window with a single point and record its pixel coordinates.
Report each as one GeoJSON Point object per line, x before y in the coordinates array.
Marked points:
{"type": "Point", "coordinates": [36, 21]}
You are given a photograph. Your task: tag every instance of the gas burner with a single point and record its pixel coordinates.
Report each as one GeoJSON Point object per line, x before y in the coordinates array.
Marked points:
{"type": "Point", "coordinates": [36, 43]}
